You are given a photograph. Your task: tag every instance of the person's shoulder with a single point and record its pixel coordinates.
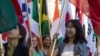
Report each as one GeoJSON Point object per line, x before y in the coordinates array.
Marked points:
{"type": "Point", "coordinates": [81, 48]}
{"type": "Point", "coordinates": [81, 44]}
{"type": "Point", "coordinates": [60, 45]}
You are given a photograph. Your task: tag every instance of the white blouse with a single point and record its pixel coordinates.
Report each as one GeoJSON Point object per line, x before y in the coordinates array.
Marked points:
{"type": "Point", "coordinates": [68, 51]}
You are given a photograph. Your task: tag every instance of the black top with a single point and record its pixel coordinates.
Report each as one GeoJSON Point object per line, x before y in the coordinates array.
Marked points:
{"type": "Point", "coordinates": [20, 50]}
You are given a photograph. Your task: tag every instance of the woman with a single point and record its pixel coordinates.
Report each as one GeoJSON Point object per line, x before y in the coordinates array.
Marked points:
{"type": "Point", "coordinates": [46, 44]}
{"type": "Point", "coordinates": [35, 51]}
{"type": "Point", "coordinates": [15, 45]}
{"type": "Point", "coordinates": [74, 43]}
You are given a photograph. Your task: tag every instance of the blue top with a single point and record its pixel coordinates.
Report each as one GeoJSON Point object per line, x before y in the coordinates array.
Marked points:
{"type": "Point", "coordinates": [37, 53]}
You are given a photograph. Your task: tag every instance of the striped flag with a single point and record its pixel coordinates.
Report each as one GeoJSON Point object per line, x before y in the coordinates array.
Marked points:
{"type": "Point", "coordinates": [56, 19]}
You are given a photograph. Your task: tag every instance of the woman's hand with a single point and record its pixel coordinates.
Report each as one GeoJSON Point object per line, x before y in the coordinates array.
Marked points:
{"type": "Point", "coordinates": [55, 36]}
{"type": "Point", "coordinates": [31, 51]}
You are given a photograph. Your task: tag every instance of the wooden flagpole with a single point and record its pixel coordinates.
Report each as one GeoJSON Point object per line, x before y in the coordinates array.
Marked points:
{"type": "Point", "coordinates": [40, 12]}
{"type": "Point", "coordinates": [60, 21]}
{"type": "Point", "coordinates": [1, 46]}
{"type": "Point", "coordinates": [30, 35]}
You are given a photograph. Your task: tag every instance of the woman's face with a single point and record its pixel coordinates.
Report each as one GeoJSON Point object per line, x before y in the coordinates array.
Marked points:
{"type": "Point", "coordinates": [47, 41]}
{"type": "Point", "coordinates": [34, 40]}
{"type": "Point", "coordinates": [14, 33]}
{"type": "Point", "coordinates": [70, 30]}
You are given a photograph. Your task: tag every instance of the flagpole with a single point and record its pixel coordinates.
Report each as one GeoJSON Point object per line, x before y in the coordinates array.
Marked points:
{"type": "Point", "coordinates": [60, 21]}
{"type": "Point", "coordinates": [30, 35]}
{"type": "Point", "coordinates": [1, 46]}
{"type": "Point", "coordinates": [40, 12]}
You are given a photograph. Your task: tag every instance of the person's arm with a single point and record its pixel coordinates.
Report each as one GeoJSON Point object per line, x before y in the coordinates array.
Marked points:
{"type": "Point", "coordinates": [52, 44]}
{"type": "Point", "coordinates": [30, 51]}
{"type": "Point", "coordinates": [55, 52]}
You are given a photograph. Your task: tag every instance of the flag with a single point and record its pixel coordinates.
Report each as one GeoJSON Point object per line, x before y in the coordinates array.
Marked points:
{"type": "Point", "coordinates": [68, 12]}
{"type": "Point", "coordinates": [35, 16]}
{"type": "Point", "coordinates": [19, 17]}
{"type": "Point", "coordinates": [7, 16]}
{"type": "Point", "coordinates": [35, 11]}
{"type": "Point", "coordinates": [89, 34]}
{"type": "Point", "coordinates": [56, 19]}
{"type": "Point", "coordinates": [45, 27]}
{"type": "Point", "coordinates": [18, 11]}
{"type": "Point", "coordinates": [35, 26]}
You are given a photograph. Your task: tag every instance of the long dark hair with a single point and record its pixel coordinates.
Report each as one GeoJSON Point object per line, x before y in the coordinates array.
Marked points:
{"type": "Point", "coordinates": [22, 32]}
{"type": "Point", "coordinates": [79, 37]}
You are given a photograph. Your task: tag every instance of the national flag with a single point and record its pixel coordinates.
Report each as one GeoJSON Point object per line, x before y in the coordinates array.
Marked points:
{"type": "Point", "coordinates": [56, 19]}
{"type": "Point", "coordinates": [33, 16]}
{"type": "Point", "coordinates": [68, 12]}
{"type": "Point", "coordinates": [8, 19]}
{"type": "Point", "coordinates": [79, 15]}
{"type": "Point", "coordinates": [45, 24]}
{"type": "Point", "coordinates": [89, 34]}
{"type": "Point", "coordinates": [35, 26]}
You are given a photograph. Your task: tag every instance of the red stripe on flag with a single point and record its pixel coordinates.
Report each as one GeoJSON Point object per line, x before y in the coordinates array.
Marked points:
{"type": "Point", "coordinates": [80, 16]}
{"type": "Point", "coordinates": [4, 36]}
{"type": "Point", "coordinates": [27, 24]}
{"type": "Point", "coordinates": [18, 11]}
{"type": "Point", "coordinates": [82, 5]}
{"type": "Point", "coordinates": [29, 1]}
{"type": "Point", "coordinates": [67, 17]}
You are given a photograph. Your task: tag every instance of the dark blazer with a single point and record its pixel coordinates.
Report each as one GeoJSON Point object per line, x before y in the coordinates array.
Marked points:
{"type": "Point", "coordinates": [20, 50]}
